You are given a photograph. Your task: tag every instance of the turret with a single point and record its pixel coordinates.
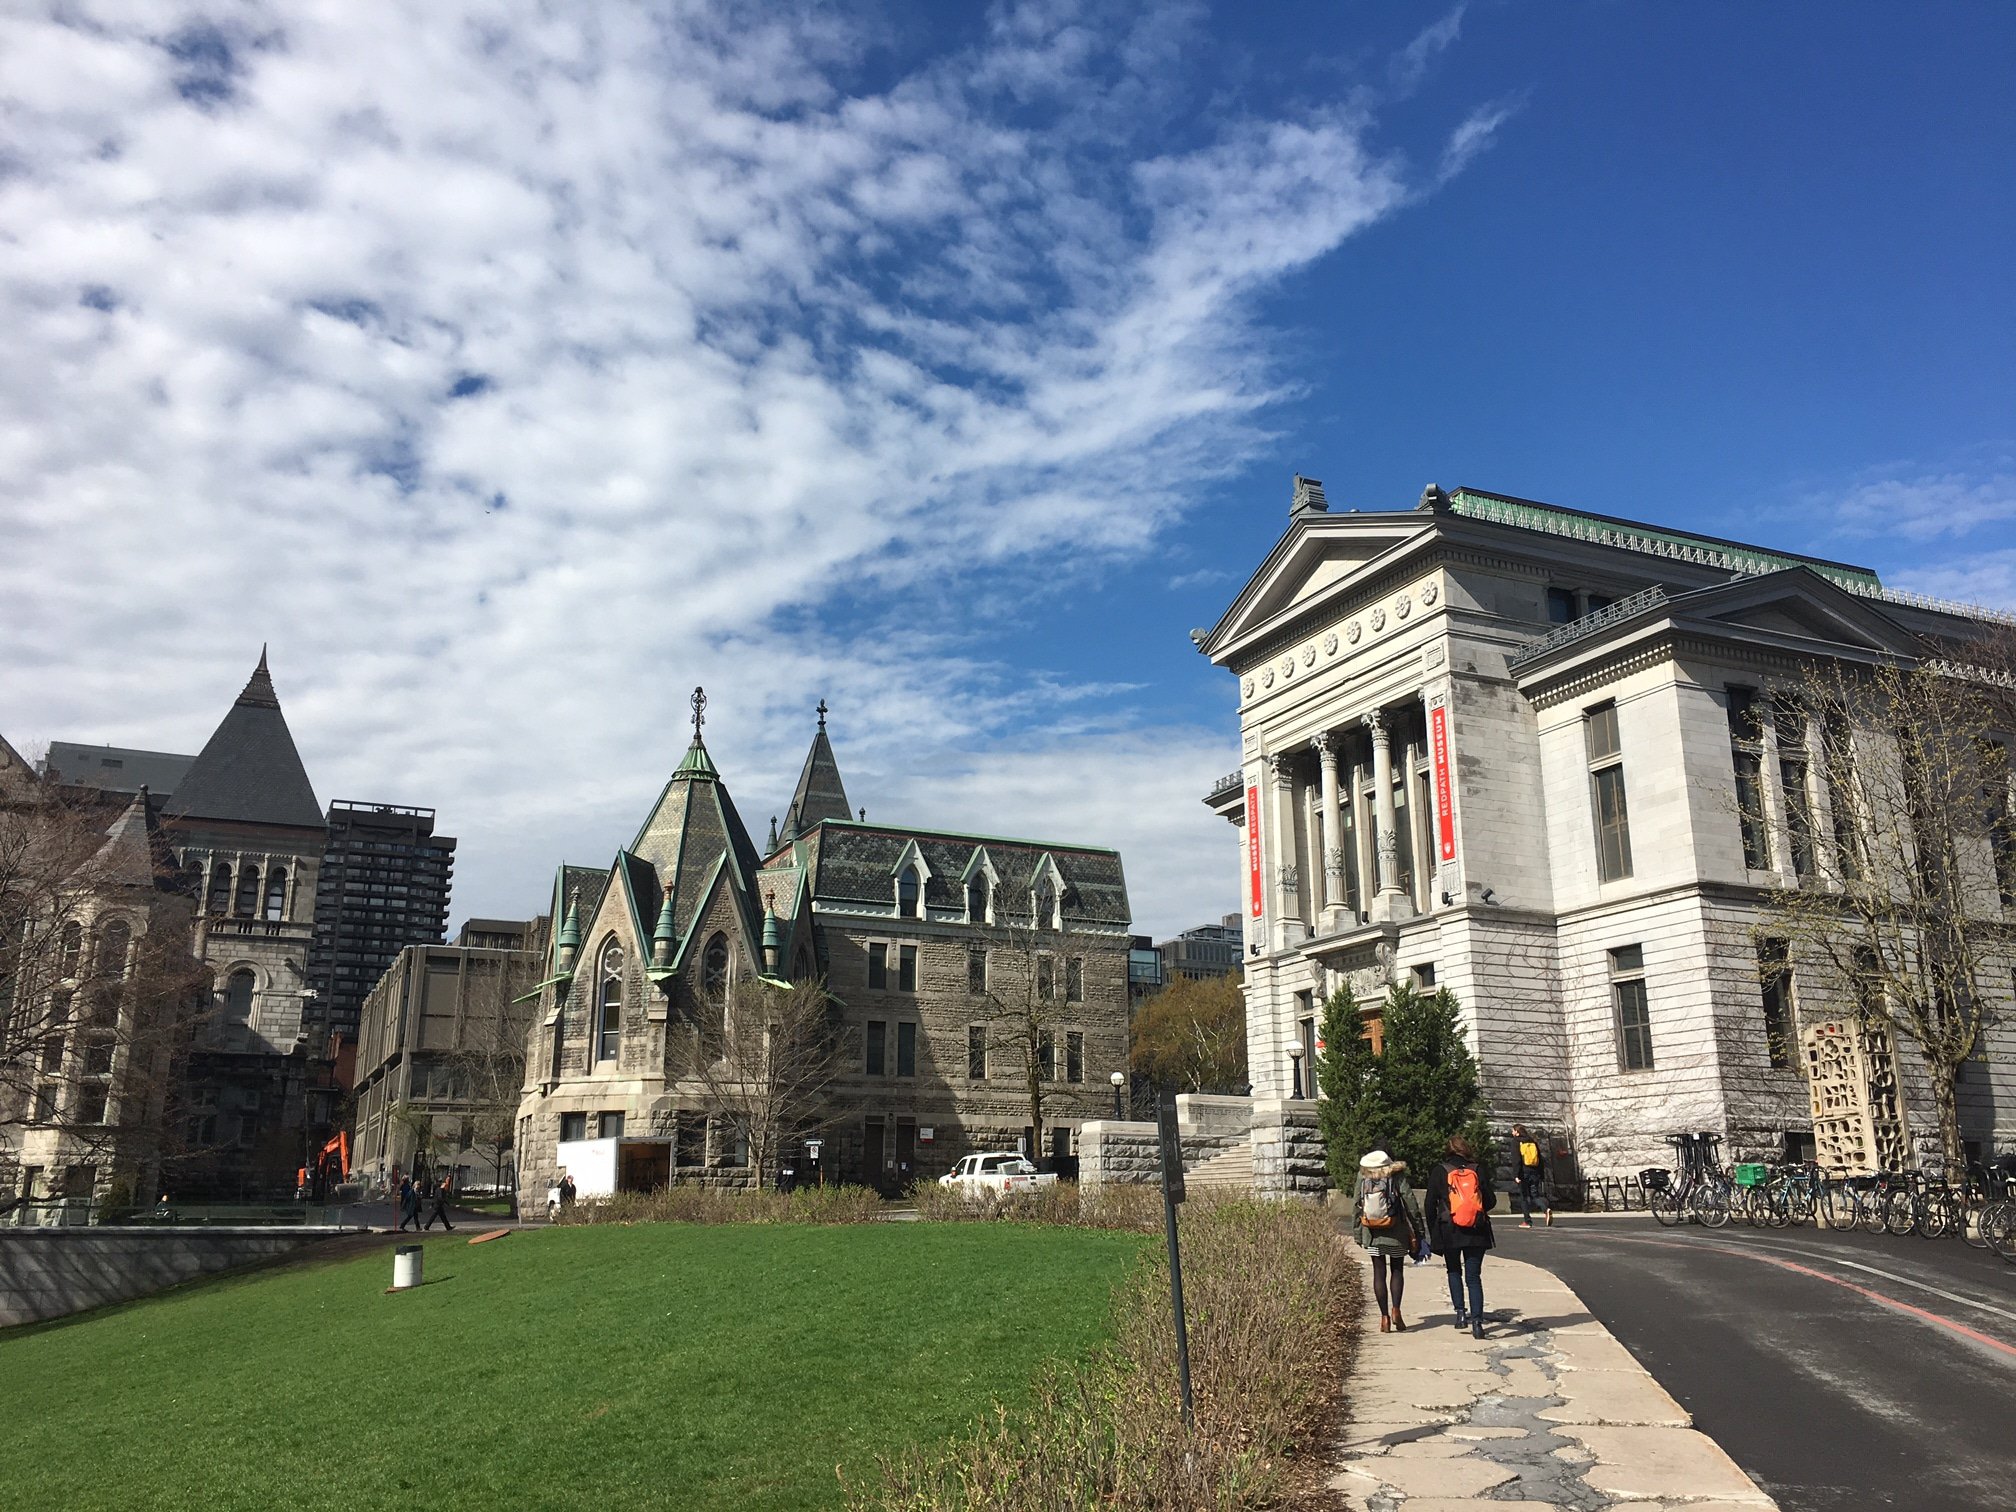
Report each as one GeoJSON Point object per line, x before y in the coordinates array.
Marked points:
{"type": "Point", "coordinates": [567, 944]}
{"type": "Point", "coordinates": [665, 936]}
{"type": "Point", "coordinates": [773, 938]}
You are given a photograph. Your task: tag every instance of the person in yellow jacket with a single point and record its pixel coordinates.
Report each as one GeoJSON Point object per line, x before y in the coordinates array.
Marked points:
{"type": "Point", "coordinates": [1532, 1177]}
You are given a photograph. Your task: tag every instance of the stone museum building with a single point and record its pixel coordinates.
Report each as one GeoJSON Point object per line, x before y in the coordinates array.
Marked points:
{"type": "Point", "coordinates": [931, 943]}
{"type": "Point", "coordinates": [1551, 760]}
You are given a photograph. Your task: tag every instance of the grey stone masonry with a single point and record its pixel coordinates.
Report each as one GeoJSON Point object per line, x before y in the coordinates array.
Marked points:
{"type": "Point", "coordinates": [53, 1272]}
{"type": "Point", "coordinates": [1129, 1151]}
{"type": "Point", "coordinates": [1288, 1156]}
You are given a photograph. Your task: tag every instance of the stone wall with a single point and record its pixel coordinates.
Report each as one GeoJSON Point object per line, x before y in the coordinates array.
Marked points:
{"type": "Point", "coordinates": [1288, 1158]}
{"type": "Point", "coordinates": [1130, 1151]}
{"type": "Point", "coordinates": [53, 1272]}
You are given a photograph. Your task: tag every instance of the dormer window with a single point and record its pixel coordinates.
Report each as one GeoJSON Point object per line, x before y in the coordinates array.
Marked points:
{"type": "Point", "coordinates": [1044, 904]}
{"type": "Point", "coordinates": [910, 895]}
{"type": "Point", "coordinates": [976, 901]}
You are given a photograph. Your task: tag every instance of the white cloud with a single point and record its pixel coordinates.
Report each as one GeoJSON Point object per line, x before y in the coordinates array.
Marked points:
{"type": "Point", "coordinates": [1987, 578]}
{"type": "Point", "coordinates": [1922, 505]}
{"type": "Point", "coordinates": [514, 369]}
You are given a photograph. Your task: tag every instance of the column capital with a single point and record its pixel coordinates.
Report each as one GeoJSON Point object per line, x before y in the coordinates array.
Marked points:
{"type": "Point", "coordinates": [1282, 765]}
{"type": "Point", "coordinates": [1375, 722]}
{"type": "Point", "coordinates": [1326, 744]}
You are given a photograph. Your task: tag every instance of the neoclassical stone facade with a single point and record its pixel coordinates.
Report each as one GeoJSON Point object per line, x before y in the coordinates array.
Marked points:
{"type": "Point", "coordinates": [1495, 745]}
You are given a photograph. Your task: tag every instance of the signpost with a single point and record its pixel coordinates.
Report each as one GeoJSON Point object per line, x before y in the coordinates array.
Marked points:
{"type": "Point", "coordinates": [1172, 1193]}
{"type": "Point", "coordinates": [812, 1154]}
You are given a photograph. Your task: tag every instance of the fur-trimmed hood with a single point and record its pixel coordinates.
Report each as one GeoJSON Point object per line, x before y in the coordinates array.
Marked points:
{"type": "Point", "coordinates": [1379, 1173]}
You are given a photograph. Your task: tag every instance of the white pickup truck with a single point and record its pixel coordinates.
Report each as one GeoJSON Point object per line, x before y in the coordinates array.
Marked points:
{"type": "Point", "coordinates": [996, 1174]}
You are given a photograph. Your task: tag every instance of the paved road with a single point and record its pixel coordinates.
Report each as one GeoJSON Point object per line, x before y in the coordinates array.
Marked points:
{"type": "Point", "coordinates": [1842, 1371]}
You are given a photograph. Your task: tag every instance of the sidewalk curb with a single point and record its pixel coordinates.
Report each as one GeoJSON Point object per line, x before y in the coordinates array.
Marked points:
{"type": "Point", "coordinates": [1548, 1404]}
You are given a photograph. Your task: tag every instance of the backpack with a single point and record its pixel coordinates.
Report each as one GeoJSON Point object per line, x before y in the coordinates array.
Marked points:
{"type": "Point", "coordinates": [1466, 1203]}
{"type": "Point", "coordinates": [1529, 1154]}
{"type": "Point", "coordinates": [1376, 1210]}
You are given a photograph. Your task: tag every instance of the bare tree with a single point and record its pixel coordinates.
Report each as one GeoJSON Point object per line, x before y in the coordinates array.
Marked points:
{"type": "Point", "coordinates": [100, 991]}
{"type": "Point", "coordinates": [1034, 983]}
{"type": "Point", "coordinates": [766, 1061]}
{"type": "Point", "coordinates": [1908, 922]}
{"type": "Point", "coordinates": [487, 1065]}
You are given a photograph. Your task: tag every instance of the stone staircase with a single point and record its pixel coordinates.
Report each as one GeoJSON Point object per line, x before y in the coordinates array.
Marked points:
{"type": "Point", "coordinates": [1231, 1169]}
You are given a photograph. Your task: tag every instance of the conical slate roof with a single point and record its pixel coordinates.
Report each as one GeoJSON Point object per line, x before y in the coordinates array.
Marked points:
{"type": "Point", "coordinates": [128, 855]}
{"type": "Point", "coordinates": [820, 793]}
{"type": "Point", "coordinates": [691, 827]}
{"type": "Point", "coordinates": [249, 771]}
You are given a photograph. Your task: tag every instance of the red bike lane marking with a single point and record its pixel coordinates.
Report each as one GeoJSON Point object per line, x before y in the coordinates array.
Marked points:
{"type": "Point", "coordinates": [1877, 1297]}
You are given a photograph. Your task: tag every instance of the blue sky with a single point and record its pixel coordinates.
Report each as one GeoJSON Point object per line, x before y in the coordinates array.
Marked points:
{"type": "Point", "coordinates": [513, 371]}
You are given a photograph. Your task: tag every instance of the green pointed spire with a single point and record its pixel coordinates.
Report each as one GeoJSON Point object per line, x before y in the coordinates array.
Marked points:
{"type": "Point", "coordinates": [773, 937]}
{"type": "Point", "coordinates": [665, 938]}
{"type": "Point", "coordinates": [567, 943]}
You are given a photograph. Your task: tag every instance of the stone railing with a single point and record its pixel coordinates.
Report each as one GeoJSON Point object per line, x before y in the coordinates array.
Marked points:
{"type": "Point", "coordinates": [1589, 624]}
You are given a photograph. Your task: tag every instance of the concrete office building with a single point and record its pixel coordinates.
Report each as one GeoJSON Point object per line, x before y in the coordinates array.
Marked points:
{"type": "Point", "coordinates": [384, 885]}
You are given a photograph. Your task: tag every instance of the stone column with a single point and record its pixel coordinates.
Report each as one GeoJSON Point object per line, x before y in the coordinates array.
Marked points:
{"type": "Point", "coordinates": [1326, 747]}
{"type": "Point", "coordinates": [1286, 879]}
{"type": "Point", "coordinates": [1390, 903]}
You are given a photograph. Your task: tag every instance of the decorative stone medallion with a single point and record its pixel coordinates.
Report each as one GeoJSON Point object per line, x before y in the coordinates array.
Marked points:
{"type": "Point", "coordinates": [1403, 607]}
{"type": "Point", "coordinates": [1429, 593]}
{"type": "Point", "coordinates": [1352, 632]}
{"type": "Point", "coordinates": [1330, 644]}
{"type": "Point", "coordinates": [1249, 687]}
{"type": "Point", "coordinates": [1267, 678]}
{"type": "Point", "coordinates": [1378, 620]}
{"type": "Point", "coordinates": [1287, 666]}
{"type": "Point", "coordinates": [1308, 656]}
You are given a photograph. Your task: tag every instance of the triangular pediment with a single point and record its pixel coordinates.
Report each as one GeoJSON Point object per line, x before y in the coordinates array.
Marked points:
{"type": "Point", "coordinates": [1795, 605]}
{"type": "Point", "coordinates": [1315, 562]}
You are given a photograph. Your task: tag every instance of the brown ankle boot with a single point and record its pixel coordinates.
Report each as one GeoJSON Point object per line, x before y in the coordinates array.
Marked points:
{"type": "Point", "coordinates": [1384, 1323]}
{"type": "Point", "coordinates": [1398, 1326]}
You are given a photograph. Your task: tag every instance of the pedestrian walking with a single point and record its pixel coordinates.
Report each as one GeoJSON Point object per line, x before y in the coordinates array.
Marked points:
{"type": "Point", "coordinates": [442, 1190]}
{"type": "Point", "coordinates": [409, 1203]}
{"type": "Point", "coordinates": [1388, 1218]}
{"type": "Point", "coordinates": [566, 1191]}
{"type": "Point", "coordinates": [1458, 1211]}
{"type": "Point", "coordinates": [1532, 1178]}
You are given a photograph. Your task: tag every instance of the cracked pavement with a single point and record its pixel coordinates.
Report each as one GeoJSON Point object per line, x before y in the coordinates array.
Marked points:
{"type": "Point", "coordinates": [1547, 1411]}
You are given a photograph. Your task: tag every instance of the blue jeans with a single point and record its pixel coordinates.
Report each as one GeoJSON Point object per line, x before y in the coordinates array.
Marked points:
{"type": "Point", "coordinates": [1532, 1192]}
{"type": "Point", "coordinates": [1466, 1268]}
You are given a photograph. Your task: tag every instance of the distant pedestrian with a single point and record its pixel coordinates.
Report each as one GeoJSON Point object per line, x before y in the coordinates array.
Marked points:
{"type": "Point", "coordinates": [1532, 1177]}
{"type": "Point", "coordinates": [1388, 1218]}
{"type": "Point", "coordinates": [1458, 1211]}
{"type": "Point", "coordinates": [409, 1203]}
{"type": "Point", "coordinates": [442, 1190]}
{"type": "Point", "coordinates": [566, 1191]}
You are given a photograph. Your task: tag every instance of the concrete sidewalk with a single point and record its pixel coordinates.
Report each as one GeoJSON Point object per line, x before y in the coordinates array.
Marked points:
{"type": "Point", "coordinates": [1546, 1411]}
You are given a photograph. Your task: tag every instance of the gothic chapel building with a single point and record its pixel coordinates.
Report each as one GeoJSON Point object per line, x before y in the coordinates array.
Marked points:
{"type": "Point", "coordinates": [924, 939]}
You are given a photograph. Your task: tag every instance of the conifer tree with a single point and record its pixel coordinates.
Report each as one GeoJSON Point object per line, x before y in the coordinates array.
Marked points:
{"type": "Point", "coordinates": [1408, 1099]}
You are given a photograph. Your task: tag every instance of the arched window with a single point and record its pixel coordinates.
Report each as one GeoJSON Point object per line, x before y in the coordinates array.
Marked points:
{"type": "Point", "coordinates": [72, 948]}
{"type": "Point", "coordinates": [1044, 911]}
{"type": "Point", "coordinates": [276, 894]}
{"type": "Point", "coordinates": [247, 903]}
{"type": "Point", "coordinates": [714, 970]}
{"type": "Point", "coordinates": [909, 895]}
{"type": "Point", "coordinates": [115, 940]}
{"type": "Point", "coordinates": [976, 900]}
{"type": "Point", "coordinates": [219, 902]}
{"type": "Point", "coordinates": [238, 996]}
{"type": "Point", "coordinates": [609, 1002]}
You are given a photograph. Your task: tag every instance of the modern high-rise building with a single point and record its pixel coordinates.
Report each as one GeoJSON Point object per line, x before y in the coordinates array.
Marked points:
{"type": "Point", "coordinates": [1209, 950]}
{"type": "Point", "coordinates": [384, 886]}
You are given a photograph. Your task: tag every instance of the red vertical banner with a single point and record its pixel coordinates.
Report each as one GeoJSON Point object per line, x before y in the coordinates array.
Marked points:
{"type": "Point", "coordinates": [1253, 847]}
{"type": "Point", "coordinates": [1445, 791]}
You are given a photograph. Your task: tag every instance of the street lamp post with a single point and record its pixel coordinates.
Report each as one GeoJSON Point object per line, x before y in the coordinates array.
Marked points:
{"type": "Point", "coordinates": [1295, 1061]}
{"type": "Point", "coordinates": [1119, 1080]}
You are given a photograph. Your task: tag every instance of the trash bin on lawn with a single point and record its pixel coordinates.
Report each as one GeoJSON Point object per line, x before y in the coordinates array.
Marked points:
{"type": "Point", "coordinates": [405, 1267]}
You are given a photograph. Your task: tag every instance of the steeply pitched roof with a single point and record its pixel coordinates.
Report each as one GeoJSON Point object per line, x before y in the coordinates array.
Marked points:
{"type": "Point", "coordinates": [856, 864]}
{"type": "Point", "coordinates": [820, 793]}
{"type": "Point", "coordinates": [249, 771]}
{"type": "Point", "coordinates": [131, 853]}
{"type": "Point", "coordinates": [116, 769]}
{"type": "Point", "coordinates": [692, 826]}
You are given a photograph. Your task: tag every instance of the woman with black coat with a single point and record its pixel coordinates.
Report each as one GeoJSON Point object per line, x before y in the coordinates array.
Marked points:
{"type": "Point", "coordinates": [1458, 1203]}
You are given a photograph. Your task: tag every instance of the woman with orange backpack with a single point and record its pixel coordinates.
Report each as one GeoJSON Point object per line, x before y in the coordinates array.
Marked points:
{"type": "Point", "coordinates": [1388, 1218]}
{"type": "Point", "coordinates": [1459, 1202]}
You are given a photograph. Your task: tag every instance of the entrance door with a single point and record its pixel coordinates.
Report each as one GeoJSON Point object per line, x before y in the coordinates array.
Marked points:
{"type": "Point", "coordinates": [871, 1154]}
{"type": "Point", "coordinates": [906, 1152]}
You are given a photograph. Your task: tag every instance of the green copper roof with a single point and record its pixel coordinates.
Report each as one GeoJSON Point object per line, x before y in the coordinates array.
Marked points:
{"type": "Point", "coordinates": [1602, 530]}
{"type": "Point", "coordinates": [697, 763]}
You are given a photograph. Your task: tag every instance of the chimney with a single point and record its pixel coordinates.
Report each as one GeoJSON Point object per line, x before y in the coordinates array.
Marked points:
{"type": "Point", "coordinates": [1308, 498]}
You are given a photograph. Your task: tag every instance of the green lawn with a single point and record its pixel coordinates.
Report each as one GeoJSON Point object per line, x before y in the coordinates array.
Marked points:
{"type": "Point", "coordinates": [661, 1365]}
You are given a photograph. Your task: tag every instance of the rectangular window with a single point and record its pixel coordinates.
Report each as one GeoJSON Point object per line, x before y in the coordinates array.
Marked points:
{"type": "Point", "coordinates": [1837, 760]}
{"type": "Point", "coordinates": [976, 971]}
{"type": "Point", "coordinates": [1560, 606]}
{"type": "Point", "coordinates": [906, 968]}
{"type": "Point", "coordinates": [608, 1125]}
{"type": "Point", "coordinates": [1606, 790]}
{"type": "Point", "coordinates": [906, 1048]}
{"type": "Point", "coordinates": [689, 1139]}
{"type": "Point", "coordinates": [877, 1033]}
{"type": "Point", "coordinates": [1074, 979]}
{"type": "Point", "coordinates": [1046, 1055]}
{"type": "Point", "coordinates": [45, 1103]}
{"type": "Point", "coordinates": [1634, 1014]}
{"type": "Point", "coordinates": [52, 1054]}
{"type": "Point", "coordinates": [1074, 1056]}
{"type": "Point", "coordinates": [1046, 978]}
{"type": "Point", "coordinates": [98, 1058]}
{"type": "Point", "coordinates": [1780, 1026]}
{"type": "Point", "coordinates": [976, 1052]}
{"type": "Point", "coordinates": [1795, 773]}
{"type": "Point", "coordinates": [2001, 825]}
{"type": "Point", "coordinates": [878, 967]}
{"type": "Point", "coordinates": [1746, 750]}
{"type": "Point", "coordinates": [573, 1126]}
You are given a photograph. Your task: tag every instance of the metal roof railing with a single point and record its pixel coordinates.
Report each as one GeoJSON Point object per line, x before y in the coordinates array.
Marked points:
{"type": "Point", "coordinates": [1590, 624]}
